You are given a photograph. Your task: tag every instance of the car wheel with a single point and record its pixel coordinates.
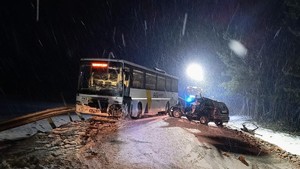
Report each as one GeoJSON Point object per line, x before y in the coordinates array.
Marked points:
{"type": "Point", "coordinates": [203, 120]}
{"type": "Point", "coordinates": [177, 113]}
{"type": "Point", "coordinates": [219, 123]}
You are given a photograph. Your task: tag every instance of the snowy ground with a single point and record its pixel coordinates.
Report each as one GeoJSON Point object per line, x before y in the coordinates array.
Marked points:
{"type": "Point", "coordinates": [285, 141]}
{"type": "Point", "coordinates": [176, 143]}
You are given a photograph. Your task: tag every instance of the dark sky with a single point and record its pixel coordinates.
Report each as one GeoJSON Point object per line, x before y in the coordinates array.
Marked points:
{"type": "Point", "coordinates": [39, 59]}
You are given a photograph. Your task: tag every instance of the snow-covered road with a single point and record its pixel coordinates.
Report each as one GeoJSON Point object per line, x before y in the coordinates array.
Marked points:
{"type": "Point", "coordinates": [157, 142]}
{"type": "Point", "coordinates": [285, 141]}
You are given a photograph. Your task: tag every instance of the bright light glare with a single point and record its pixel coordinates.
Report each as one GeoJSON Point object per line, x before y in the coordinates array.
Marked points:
{"type": "Point", "coordinates": [195, 72]}
{"type": "Point", "coordinates": [238, 48]}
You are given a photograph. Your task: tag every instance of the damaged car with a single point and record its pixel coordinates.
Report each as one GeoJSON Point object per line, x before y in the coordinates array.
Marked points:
{"type": "Point", "coordinates": [204, 110]}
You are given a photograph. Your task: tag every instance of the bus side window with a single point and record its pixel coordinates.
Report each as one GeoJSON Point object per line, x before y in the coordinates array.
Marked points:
{"type": "Point", "coordinates": [150, 81]}
{"type": "Point", "coordinates": [168, 84]}
{"type": "Point", "coordinates": [138, 79]}
{"type": "Point", "coordinates": [160, 83]}
{"type": "Point", "coordinates": [174, 85]}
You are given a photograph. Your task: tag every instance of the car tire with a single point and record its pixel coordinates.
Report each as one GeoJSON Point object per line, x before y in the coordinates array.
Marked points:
{"type": "Point", "coordinates": [219, 123]}
{"type": "Point", "coordinates": [177, 113]}
{"type": "Point", "coordinates": [203, 120]}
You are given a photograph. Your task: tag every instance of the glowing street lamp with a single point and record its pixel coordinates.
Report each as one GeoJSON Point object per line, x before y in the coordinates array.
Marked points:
{"type": "Point", "coordinates": [195, 72]}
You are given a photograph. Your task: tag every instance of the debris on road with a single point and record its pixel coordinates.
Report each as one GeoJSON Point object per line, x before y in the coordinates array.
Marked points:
{"type": "Point", "coordinates": [246, 129]}
{"type": "Point", "coordinates": [243, 160]}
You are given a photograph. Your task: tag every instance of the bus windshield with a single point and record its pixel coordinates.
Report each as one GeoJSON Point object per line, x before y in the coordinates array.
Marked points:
{"type": "Point", "coordinates": [101, 78]}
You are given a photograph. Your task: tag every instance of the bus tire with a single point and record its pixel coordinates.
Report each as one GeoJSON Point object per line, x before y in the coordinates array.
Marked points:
{"type": "Point", "coordinates": [170, 113]}
{"type": "Point", "coordinates": [167, 108]}
{"type": "Point", "coordinates": [131, 111]}
{"type": "Point", "coordinates": [127, 110]}
{"type": "Point", "coordinates": [140, 109]}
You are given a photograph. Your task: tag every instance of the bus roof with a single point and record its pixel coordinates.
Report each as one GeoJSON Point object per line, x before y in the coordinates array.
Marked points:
{"type": "Point", "coordinates": [129, 63]}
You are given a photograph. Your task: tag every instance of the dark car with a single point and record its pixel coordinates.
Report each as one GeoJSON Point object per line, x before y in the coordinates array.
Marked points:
{"type": "Point", "coordinates": [203, 109]}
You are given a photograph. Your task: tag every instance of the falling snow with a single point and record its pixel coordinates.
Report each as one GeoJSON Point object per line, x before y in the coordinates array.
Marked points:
{"type": "Point", "coordinates": [42, 42]}
{"type": "Point", "coordinates": [238, 48]}
{"type": "Point", "coordinates": [184, 23]}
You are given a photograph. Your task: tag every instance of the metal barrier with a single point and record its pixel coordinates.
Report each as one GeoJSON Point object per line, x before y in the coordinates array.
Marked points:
{"type": "Point", "coordinates": [22, 120]}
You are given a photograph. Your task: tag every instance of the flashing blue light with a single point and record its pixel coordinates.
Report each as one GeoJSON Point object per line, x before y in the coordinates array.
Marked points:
{"type": "Point", "coordinates": [190, 98]}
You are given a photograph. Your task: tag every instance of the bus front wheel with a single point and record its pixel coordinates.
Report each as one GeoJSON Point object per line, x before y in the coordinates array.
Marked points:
{"type": "Point", "coordinates": [140, 108]}
{"type": "Point", "coordinates": [138, 113]}
{"type": "Point", "coordinates": [127, 110]}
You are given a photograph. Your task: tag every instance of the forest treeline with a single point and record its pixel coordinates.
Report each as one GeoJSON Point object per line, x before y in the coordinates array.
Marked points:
{"type": "Point", "coordinates": [268, 77]}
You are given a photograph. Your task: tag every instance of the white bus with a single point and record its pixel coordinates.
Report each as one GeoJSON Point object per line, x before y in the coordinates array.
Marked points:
{"type": "Point", "coordinates": [110, 87]}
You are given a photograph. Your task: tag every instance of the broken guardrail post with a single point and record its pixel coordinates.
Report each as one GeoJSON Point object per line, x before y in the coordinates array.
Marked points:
{"type": "Point", "coordinates": [80, 116]}
{"type": "Point", "coordinates": [51, 123]}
